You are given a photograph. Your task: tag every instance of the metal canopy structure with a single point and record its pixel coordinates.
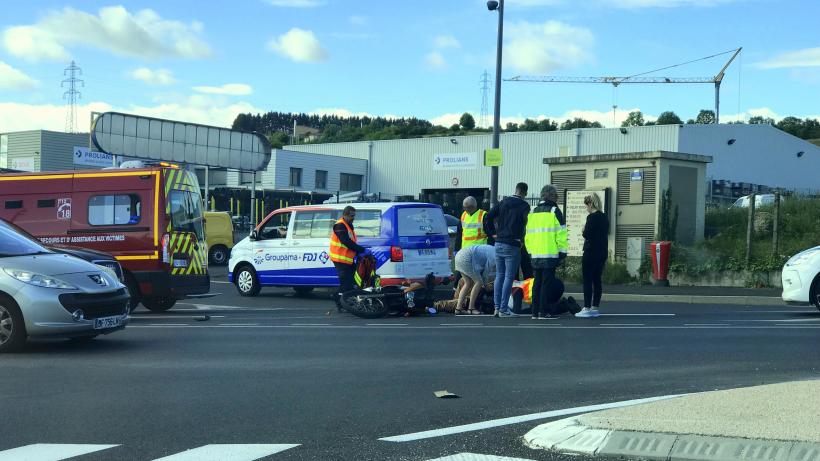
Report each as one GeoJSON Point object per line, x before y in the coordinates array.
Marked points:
{"type": "Point", "coordinates": [179, 142]}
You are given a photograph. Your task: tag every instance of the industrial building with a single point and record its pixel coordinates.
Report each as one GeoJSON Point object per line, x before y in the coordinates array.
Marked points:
{"type": "Point", "coordinates": [40, 150]}
{"type": "Point", "coordinates": [748, 156]}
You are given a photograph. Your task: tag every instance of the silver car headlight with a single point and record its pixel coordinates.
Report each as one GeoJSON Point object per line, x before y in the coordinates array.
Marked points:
{"type": "Point", "coordinates": [39, 280]}
{"type": "Point", "coordinates": [804, 257]}
{"type": "Point", "coordinates": [109, 271]}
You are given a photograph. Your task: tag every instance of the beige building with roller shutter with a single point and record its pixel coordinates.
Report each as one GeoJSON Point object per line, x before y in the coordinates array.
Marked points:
{"type": "Point", "coordinates": [633, 185]}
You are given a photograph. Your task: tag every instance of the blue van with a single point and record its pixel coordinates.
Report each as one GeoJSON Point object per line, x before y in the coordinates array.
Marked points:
{"type": "Point", "coordinates": [289, 248]}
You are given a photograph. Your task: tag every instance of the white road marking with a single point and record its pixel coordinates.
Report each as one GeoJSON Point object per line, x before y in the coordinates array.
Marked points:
{"type": "Point", "coordinates": [621, 324]}
{"type": "Point", "coordinates": [222, 282]}
{"type": "Point", "coordinates": [638, 315]}
{"type": "Point", "coordinates": [169, 324]}
{"type": "Point", "coordinates": [461, 324]}
{"type": "Point", "coordinates": [310, 324]}
{"type": "Point", "coordinates": [705, 325]}
{"type": "Point", "coordinates": [499, 327]}
{"type": "Point", "coordinates": [229, 452]}
{"type": "Point", "coordinates": [387, 324]}
{"type": "Point", "coordinates": [210, 307]}
{"type": "Point", "coordinates": [477, 457]}
{"type": "Point", "coordinates": [238, 324]}
{"type": "Point", "coordinates": [158, 317]}
{"type": "Point", "coordinates": [50, 451]}
{"type": "Point", "coordinates": [519, 419]}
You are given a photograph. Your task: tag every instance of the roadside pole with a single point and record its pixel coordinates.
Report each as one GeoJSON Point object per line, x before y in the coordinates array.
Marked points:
{"type": "Point", "coordinates": [750, 228]}
{"type": "Point", "coordinates": [776, 225]}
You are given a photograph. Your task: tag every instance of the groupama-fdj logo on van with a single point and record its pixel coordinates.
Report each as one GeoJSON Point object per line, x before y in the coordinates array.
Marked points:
{"type": "Point", "coordinates": [321, 257]}
{"type": "Point", "coordinates": [261, 257]}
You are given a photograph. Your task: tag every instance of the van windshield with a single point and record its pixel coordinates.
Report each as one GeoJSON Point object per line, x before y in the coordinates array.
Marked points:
{"type": "Point", "coordinates": [415, 222]}
{"type": "Point", "coordinates": [13, 243]}
{"type": "Point", "coordinates": [186, 213]}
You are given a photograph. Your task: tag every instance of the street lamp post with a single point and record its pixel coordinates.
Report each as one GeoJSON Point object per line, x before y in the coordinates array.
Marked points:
{"type": "Point", "coordinates": [493, 5]}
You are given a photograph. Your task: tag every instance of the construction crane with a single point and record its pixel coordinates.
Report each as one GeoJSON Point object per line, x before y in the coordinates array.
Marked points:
{"type": "Point", "coordinates": [641, 78]}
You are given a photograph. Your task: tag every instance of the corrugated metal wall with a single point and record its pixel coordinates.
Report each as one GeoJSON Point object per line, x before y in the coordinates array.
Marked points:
{"type": "Point", "coordinates": [760, 154]}
{"type": "Point", "coordinates": [24, 145]}
{"type": "Point", "coordinates": [58, 150]}
{"type": "Point", "coordinates": [309, 163]}
{"type": "Point", "coordinates": [405, 166]}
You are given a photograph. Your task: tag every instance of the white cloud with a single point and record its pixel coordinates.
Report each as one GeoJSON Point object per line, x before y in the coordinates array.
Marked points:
{"type": "Point", "coordinates": [143, 34]}
{"type": "Point", "coordinates": [232, 89]}
{"type": "Point", "coordinates": [299, 45]}
{"type": "Point", "coordinates": [14, 79]}
{"type": "Point", "coordinates": [204, 109]}
{"type": "Point", "coordinates": [158, 77]}
{"type": "Point", "coordinates": [808, 57]}
{"type": "Point", "coordinates": [544, 48]}
{"type": "Point", "coordinates": [357, 20]}
{"type": "Point", "coordinates": [296, 3]}
{"type": "Point", "coordinates": [435, 61]}
{"type": "Point", "coordinates": [446, 41]}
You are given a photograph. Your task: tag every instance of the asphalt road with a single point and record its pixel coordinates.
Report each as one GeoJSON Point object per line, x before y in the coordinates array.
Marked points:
{"type": "Point", "coordinates": [279, 369]}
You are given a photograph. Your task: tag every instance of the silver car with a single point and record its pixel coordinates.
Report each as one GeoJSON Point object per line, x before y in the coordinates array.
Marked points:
{"type": "Point", "coordinates": [46, 295]}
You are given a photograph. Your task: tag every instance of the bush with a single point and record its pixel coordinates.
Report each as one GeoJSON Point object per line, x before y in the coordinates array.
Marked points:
{"type": "Point", "coordinates": [724, 248]}
{"type": "Point", "coordinates": [614, 272]}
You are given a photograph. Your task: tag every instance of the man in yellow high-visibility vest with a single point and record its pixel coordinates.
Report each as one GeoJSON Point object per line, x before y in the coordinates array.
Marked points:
{"type": "Point", "coordinates": [546, 241]}
{"type": "Point", "coordinates": [472, 224]}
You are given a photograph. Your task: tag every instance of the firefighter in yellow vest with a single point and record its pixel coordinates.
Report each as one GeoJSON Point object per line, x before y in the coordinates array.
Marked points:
{"type": "Point", "coordinates": [472, 224]}
{"type": "Point", "coordinates": [546, 241]}
{"type": "Point", "coordinates": [343, 251]}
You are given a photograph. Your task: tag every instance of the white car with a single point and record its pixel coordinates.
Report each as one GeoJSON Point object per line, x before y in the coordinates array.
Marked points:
{"type": "Point", "coordinates": [801, 278]}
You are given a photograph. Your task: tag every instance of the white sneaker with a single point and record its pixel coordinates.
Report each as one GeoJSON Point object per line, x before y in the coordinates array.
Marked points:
{"type": "Point", "coordinates": [584, 313]}
{"type": "Point", "coordinates": [593, 312]}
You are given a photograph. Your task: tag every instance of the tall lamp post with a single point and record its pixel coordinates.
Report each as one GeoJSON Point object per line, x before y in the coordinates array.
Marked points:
{"type": "Point", "coordinates": [494, 5]}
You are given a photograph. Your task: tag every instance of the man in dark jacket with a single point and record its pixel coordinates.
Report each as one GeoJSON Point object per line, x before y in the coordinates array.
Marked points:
{"type": "Point", "coordinates": [506, 223]}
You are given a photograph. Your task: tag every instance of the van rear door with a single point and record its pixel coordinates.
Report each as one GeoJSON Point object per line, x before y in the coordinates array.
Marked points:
{"type": "Point", "coordinates": [422, 236]}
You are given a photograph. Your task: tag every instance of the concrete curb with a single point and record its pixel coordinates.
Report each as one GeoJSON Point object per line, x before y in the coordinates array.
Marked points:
{"type": "Point", "coordinates": [689, 299]}
{"type": "Point", "coordinates": [572, 437]}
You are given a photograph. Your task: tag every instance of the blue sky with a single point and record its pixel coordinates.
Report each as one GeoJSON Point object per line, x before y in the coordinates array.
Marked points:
{"type": "Point", "coordinates": [206, 62]}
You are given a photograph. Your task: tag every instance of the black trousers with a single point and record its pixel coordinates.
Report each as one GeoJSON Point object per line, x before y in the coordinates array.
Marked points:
{"type": "Point", "coordinates": [526, 264]}
{"type": "Point", "coordinates": [346, 273]}
{"type": "Point", "coordinates": [592, 270]}
{"type": "Point", "coordinates": [541, 291]}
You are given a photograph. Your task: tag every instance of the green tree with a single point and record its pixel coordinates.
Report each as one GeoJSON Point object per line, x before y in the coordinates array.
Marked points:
{"type": "Point", "coordinates": [278, 139]}
{"type": "Point", "coordinates": [759, 120]}
{"type": "Point", "coordinates": [705, 117]}
{"type": "Point", "coordinates": [578, 122]}
{"type": "Point", "coordinates": [791, 125]}
{"type": "Point", "coordinates": [635, 118]}
{"type": "Point", "coordinates": [668, 118]}
{"type": "Point", "coordinates": [467, 121]}
{"type": "Point", "coordinates": [511, 127]}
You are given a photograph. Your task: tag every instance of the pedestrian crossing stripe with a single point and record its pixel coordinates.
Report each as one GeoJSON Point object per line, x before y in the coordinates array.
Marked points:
{"type": "Point", "coordinates": [232, 452]}
{"type": "Point", "coordinates": [50, 451]}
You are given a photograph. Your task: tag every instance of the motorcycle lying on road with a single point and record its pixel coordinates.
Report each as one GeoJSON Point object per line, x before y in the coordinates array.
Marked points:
{"type": "Point", "coordinates": [370, 300]}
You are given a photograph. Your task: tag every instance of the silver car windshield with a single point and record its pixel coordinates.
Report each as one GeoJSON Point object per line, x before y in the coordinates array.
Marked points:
{"type": "Point", "coordinates": [13, 243]}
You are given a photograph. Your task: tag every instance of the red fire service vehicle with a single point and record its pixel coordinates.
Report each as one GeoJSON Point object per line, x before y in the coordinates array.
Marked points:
{"type": "Point", "coordinates": [149, 218]}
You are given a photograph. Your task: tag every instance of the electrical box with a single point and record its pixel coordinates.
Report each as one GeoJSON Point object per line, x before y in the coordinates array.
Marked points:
{"type": "Point", "coordinates": [636, 187]}
{"type": "Point", "coordinates": [635, 251]}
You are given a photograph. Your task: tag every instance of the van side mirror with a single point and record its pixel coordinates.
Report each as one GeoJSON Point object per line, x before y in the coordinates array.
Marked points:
{"type": "Point", "coordinates": [254, 235]}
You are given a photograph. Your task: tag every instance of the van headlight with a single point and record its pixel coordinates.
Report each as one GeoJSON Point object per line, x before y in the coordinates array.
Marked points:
{"type": "Point", "coordinates": [805, 257]}
{"type": "Point", "coordinates": [39, 280]}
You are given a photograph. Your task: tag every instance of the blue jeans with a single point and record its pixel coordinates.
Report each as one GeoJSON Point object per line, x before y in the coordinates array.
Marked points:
{"type": "Point", "coordinates": [507, 261]}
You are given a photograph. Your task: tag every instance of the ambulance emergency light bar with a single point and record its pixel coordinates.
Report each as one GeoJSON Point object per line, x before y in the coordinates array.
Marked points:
{"type": "Point", "coordinates": [159, 140]}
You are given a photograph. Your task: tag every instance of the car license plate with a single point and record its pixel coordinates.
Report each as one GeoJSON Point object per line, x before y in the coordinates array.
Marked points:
{"type": "Point", "coordinates": [180, 263]}
{"type": "Point", "coordinates": [107, 322]}
{"type": "Point", "coordinates": [427, 252]}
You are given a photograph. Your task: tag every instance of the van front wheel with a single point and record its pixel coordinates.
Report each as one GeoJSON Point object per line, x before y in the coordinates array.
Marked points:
{"type": "Point", "coordinates": [246, 282]}
{"type": "Point", "coordinates": [158, 304]}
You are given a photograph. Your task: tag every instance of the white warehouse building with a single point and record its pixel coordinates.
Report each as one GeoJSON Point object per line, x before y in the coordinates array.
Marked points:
{"type": "Point", "coordinates": [753, 154]}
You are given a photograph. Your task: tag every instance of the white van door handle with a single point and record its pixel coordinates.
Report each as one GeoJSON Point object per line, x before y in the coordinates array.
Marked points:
{"type": "Point", "coordinates": [295, 243]}
{"type": "Point", "coordinates": [281, 244]}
